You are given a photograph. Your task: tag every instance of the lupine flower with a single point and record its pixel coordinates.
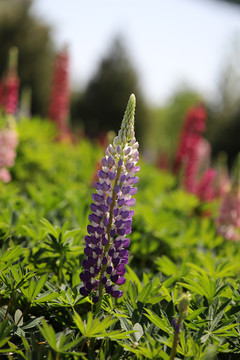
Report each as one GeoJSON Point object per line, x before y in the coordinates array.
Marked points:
{"type": "Point", "coordinates": [58, 109]}
{"type": "Point", "coordinates": [10, 85]}
{"type": "Point", "coordinates": [111, 218]}
{"type": "Point", "coordinates": [8, 144]}
{"type": "Point", "coordinates": [186, 159]}
{"type": "Point", "coordinates": [190, 164]}
{"type": "Point", "coordinates": [5, 175]}
{"type": "Point", "coordinates": [193, 127]}
{"type": "Point", "coordinates": [205, 188]}
{"type": "Point", "coordinates": [228, 221]}
{"type": "Point", "coordinates": [203, 153]}
{"type": "Point", "coordinates": [223, 182]}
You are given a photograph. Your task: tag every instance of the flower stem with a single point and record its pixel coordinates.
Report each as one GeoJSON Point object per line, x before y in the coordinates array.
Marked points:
{"type": "Point", "coordinates": [176, 337]}
{"type": "Point", "coordinates": [9, 305]}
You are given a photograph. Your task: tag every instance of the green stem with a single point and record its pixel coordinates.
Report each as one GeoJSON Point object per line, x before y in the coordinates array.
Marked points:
{"type": "Point", "coordinates": [9, 304]}
{"type": "Point", "coordinates": [60, 275]}
{"type": "Point", "coordinates": [24, 312]}
{"type": "Point", "coordinates": [176, 337]}
{"type": "Point", "coordinates": [82, 345]}
{"type": "Point", "coordinates": [104, 267]}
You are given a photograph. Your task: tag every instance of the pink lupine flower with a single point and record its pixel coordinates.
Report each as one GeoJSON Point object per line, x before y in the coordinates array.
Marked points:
{"type": "Point", "coordinates": [5, 175]}
{"type": "Point", "coordinates": [8, 144]}
{"type": "Point", "coordinates": [58, 109]}
{"type": "Point", "coordinates": [223, 182]}
{"type": "Point", "coordinates": [228, 221]}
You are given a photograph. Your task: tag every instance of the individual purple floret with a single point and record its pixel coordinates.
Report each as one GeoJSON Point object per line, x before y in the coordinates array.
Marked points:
{"type": "Point", "coordinates": [111, 218]}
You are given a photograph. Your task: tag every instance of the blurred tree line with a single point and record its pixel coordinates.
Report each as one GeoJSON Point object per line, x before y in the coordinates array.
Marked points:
{"type": "Point", "coordinates": [99, 107]}
{"type": "Point", "coordinates": [19, 27]}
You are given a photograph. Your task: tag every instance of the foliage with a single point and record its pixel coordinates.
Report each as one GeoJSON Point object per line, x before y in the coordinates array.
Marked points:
{"type": "Point", "coordinates": [43, 220]}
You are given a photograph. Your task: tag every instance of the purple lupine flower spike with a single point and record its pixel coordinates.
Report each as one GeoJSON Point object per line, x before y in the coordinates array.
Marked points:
{"type": "Point", "coordinates": [111, 218]}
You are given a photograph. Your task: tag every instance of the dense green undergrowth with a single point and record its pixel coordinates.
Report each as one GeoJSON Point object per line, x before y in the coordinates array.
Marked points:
{"type": "Point", "coordinates": [43, 220]}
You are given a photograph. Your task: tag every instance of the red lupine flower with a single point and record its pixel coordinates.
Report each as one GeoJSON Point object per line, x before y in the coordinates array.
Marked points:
{"type": "Point", "coordinates": [193, 126]}
{"type": "Point", "coordinates": [193, 156]}
{"type": "Point", "coordinates": [205, 188]}
{"type": "Point", "coordinates": [9, 86]}
{"type": "Point", "coordinates": [190, 164]}
{"type": "Point", "coordinates": [58, 109]}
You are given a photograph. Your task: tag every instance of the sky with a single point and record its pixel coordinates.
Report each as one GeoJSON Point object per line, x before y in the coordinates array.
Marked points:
{"type": "Point", "coordinates": [170, 42]}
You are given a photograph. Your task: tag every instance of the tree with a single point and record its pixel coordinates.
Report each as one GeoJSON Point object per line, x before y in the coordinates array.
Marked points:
{"type": "Point", "coordinates": [101, 106]}
{"type": "Point", "coordinates": [224, 126]}
{"type": "Point", "coordinates": [18, 27]}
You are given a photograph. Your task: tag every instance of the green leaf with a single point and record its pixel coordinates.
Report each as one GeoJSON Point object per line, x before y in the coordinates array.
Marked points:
{"type": "Point", "coordinates": [48, 334]}
{"type": "Point", "coordinates": [46, 296]}
{"type": "Point", "coordinates": [145, 293]}
{"type": "Point", "coordinates": [39, 285]}
{"type": "Point", "coordinates": [134, 278]}
{"type": "Point", "coordinates": [156, 320]}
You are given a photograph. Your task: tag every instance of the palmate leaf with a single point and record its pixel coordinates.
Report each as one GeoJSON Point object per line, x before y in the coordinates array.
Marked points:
{"type": "Point", "coordinates": [150, 349]}
{"type": "Point", "coordinates": [9, 255]}
{"type": "Point", "coordinates": [162, 324]}
{"type": "Point", "coordinates": [63, 343]}
{"type": "Point", "coordinates": [217, 314]}
{"type": "Point", "coordinates": [169, 268]}
{"type": "Point", "coordinates": [20, 278]}
{"type": "Point", "coordinates": [50, 229]}
{"type": "Point", "coordinates": [223, 330]}
{"type": "Point", "coordinates": [98, 328]}
{"type": "Point", "coordinates": [145, 352]}
{"type": "Point", "coordinates": [150, 292]}
{"type": "Point", "coordinates": [212, 267]}
{"type": "Point", "coordinates": [201, 284]}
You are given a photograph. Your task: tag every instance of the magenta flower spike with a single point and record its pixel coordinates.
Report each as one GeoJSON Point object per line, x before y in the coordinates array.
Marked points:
{"type": "Point", "coordinates": [111, 218]}
{"type": "Point", "coordinates": [58, 109]}
{"type": "Point", "coordinates": [9, 86]}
